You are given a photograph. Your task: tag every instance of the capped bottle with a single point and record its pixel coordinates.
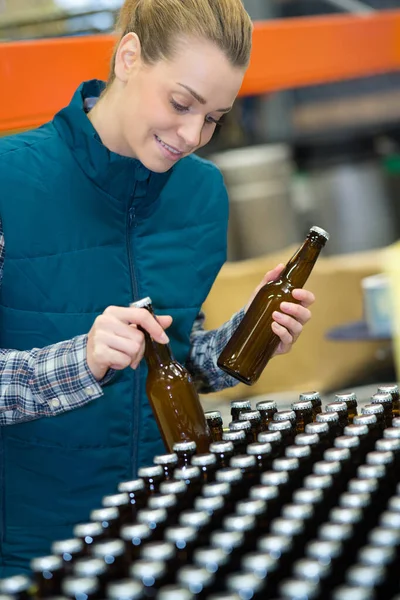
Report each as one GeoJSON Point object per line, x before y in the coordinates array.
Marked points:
{"type": "Point", "coordinates": [215, 424]}
{"type": "Point", "coordinates": [350, 399]}
{"type": "Point", "coordinates": [304, 414]}
{"type": "Point", "coordinates": [393, 389]}
{"type": "Point", "coordinates": [49, 573]}
{"type": "Point", "coordinates": [168, 462]}
{"type": "Point", "coordinates": [267, 409]}
{"type": "Point", "coordinates": [254, 343]}
{"type": "Point", "coordinates": [239, 406]}
{"type": "Point", "coordinates": [172, 394]}
{"type": "Point", "coordinates": [315, 399]}
{"type": "Point", "coordinates": [17, 587]}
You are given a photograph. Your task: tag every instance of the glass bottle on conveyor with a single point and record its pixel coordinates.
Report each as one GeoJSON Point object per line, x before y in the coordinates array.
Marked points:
{"type": "Point", "coordinates": [253, 343]}
{"type": "Point", "coordinates": [172, 394]}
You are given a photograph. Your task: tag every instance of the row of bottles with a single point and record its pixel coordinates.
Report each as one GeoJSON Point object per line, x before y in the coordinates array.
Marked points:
{"type": "Point", "coordinates": [252, 519]}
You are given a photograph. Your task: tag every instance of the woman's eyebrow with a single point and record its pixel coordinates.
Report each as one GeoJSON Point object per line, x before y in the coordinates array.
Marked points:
{"type": "Point", "coordinates": [200, 98]}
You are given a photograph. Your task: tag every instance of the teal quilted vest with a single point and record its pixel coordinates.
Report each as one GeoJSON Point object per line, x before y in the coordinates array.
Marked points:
{"type": "Point", "coordinates": [84, 229]}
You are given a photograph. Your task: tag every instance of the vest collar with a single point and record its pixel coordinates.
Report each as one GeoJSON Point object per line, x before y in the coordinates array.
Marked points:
{"type": "Point", "coordinates": [113, 173]}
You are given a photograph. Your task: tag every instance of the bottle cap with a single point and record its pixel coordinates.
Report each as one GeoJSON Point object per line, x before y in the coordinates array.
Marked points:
{"type": "Point", "coordinates": [372, 409]}
{"type": "Point", "coordinates": [258, 449]}
{"type": "Point", "coordinates": [382, 398]}
{"type": "Point", "coordinates": [166, 459]}
{"type": "Point", "coordinates": [275, 545]}
{"type": "Point", "coordinates": [266, 405]}
{"type": "Point", "coordinates": [379, 457]}
{"type": "Point", "coordinates": [135, 485]}
{"type": "Point", "coordinates": [235, 435]}
{"type": "Point", "coordinates": [320, 231]}
{"type": "Point", "coordinates": [275, 478]}
{"type": "Point", "coordinates": [108, 548]}
{"type": "Point", "coordinates": [327, 417]}
{"type": "Point", "coordinates": [239, 522]}
{"type": "Point", "coordinates": [346, 515]}
{"type": "Point", "coordinates": [391, 433]}
{"type": "Point", "coordinates": [338, 407]}
{"type": "Point", "coordinates": [371, 471]}
{"type": "Point", "coordinates": [388, 445]}
{"type": "Point", "coordinates": [143, 303]}
{"type": "Point", "coordinates": [365, 420]}
{"type": "Point", "coordinates": [187, 473]}
{"type": "Point", "coordinates": [358, 430]}
{"type": "Point", "coordinates": [210, 505]}
{"type": "Point", "coordinates": [310, 569]}
{"type": "Point", "coordinates": [103, 515]}
{"type": "Point", "coordinates": [185, 446]}
{"type": "Point", "coordinates": [204, 460]}
{"type": "Point", "coordinates": [162, 501]}
{"type": "Point", "coordinates": [135, 533]}
{"type": "Point", "coordinates": [240, 404]}
{"type": "Point", "coordinates": [14, 584]}
{"type": "Point", "coordinates": [306, 439]}
{"type": "Point", "coordinates": [90, 567]}
{"type": "Point", "coordinates": [323, 550]}
{"type": "Point", "coordinates": [147, 571]}
{"type": "Point", "coordinates": [298, 589]}
{"type": "Point", "coordinates": [298, 451]}
{"type": "Point", "coordinates": [216, 489]}
{"type": "Point", "coordinates": [180, 535]}
{"type": "Point", "coordinates": [251, 415]}
{"type": "Point", "coordinates": [251, 507]}
{"type": "Point", "coordinates": [335, 532]}
{"type": "Point", "coordinates": [375, 555]}
{"type": "Point", "coordinates": [285, 415]}
{"type": "Point", "coordinates": [297, 511]}
{"type": "Point", "coordinates": [174, 592]}
{"type": "Point", "coordinates": [389, 388]}
{"type": "Point", "coordinates": [221, 447]}
{"type": "Point", "coordinates": [173, 486]}
{"type": "Point", "coordinates": [194, 518]}
{"type": "Point", "coordinates": [245, 584]}
{"type": "Point", "coordinates": [339, 454]}
{"type": "Point", "coordinates": [394, 504]}
{"type": "Point", "coordinates": [289, 527]}
{"type": "Point", "coordinates": [264, 492]}
{"type": "Point", "coordinates": [195, 578]}
{"type": "Point", "coordinates": [354, 500]}
{"type": "Point", "coordinates": [317, 428]}
{"type": "Point", "coordinates": [327, 467]}
{"type": "Point", "coordinates": [310, 396]}
{"type": "Point", "coordinates": [227, 540]}
{"type": "Point", "coordinates": [363, 486]}
{"type": "Point", "coordinates": [302, 405]}
{"type": "Point", "coordinates": [158, 551]}
{"type": "Point", "coordinates": [125, 589]}
{"type": "Point", "coordinates": [271, 437]}
{"type": "Point", "coordinates": [279, 425]}
{"type": "Point", "coordinates": [365, 575]}
{"type": "Point", "coordinates": [212, 414]}
{"type": "Point", "coordinates": [348, 397]}
{"type": "Point", "coordinates": [349, 592]}
{"type": "Point", "coordinates": [242, 461]}
{"type": "Point", "coordinates": [383, 536]}
{"type": "Point", "coordinates": [305, 496]}
{"type": "Point", "coordinates": [346, 441]}
{"type": "Point", "coordinates": [390, 519]}
{"type": "Point", "coordinates": [259, 563]}
{"type": "Point", "coordinates": [285, 464]}
{"type": "Point", "coordinates": [151, 472]}
{"type": "Point", "coordinates": [115, 500]}
{"type": "Point", "coordinates": [396, 422]}
{"type": "Point", "coordinates": [152, 516]}
{"type": "Point", "coordinates": [87, 530]}
{"type": "Point", "coordinates": [321, 482]}
{"type": "Point", "coordinates": [78, 587]}
{"type": "Point", "coordinates": [228, 475]}
{"type": "Point", "coordinates": [242, 425]}
{"type": "Point", "coordinates": [71, 546]}
{"type": "Point", "coordinates": [210, 558]}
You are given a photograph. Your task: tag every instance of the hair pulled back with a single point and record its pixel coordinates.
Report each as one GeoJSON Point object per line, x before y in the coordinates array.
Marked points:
{"type": "Point", "coordinates": [160, 23]}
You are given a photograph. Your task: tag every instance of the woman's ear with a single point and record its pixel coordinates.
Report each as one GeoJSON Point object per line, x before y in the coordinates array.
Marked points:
{"type": "Point", "coordinates": [127, 56]}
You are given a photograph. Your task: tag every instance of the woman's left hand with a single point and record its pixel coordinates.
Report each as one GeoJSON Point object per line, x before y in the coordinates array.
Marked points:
{"type": "Point", "coordinates": [290, 319]}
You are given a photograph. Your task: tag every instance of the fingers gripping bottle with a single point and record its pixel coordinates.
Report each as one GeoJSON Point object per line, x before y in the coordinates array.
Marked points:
{"type": "Point", "coordinates": [172, 394]}
{"type": "Point", "coordinates": [253, 343]}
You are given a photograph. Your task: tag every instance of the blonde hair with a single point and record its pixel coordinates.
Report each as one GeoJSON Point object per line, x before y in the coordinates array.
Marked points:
{"type": "Point", "coordinates": [160, 23]}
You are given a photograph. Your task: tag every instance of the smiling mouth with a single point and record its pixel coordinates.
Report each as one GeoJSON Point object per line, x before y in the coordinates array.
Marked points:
{"type": "Point", "coordinates": [169, 148]}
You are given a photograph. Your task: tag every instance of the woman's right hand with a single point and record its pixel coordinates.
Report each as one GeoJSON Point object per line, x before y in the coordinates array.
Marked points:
{"type": "Point", "coordinates": [115, 342]}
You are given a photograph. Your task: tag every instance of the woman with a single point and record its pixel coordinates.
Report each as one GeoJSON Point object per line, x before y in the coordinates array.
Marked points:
{"type": "Point", "coordinates": [102, 206]}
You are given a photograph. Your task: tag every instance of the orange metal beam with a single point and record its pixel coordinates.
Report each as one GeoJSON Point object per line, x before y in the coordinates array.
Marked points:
{"type": "Point", "coordinates": [37, 78]}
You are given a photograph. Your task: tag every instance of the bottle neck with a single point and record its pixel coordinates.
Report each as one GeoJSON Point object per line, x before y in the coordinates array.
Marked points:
{"type": "Point", "coordinates": [155, 354]}
{"type": "Point", "coordinates": [299, 267]}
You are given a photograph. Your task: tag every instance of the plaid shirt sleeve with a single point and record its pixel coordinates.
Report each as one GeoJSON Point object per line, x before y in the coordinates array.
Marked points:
{"type": "Point", "coordinates": [206, 346]}
{"type": "Point", "coordinates": [45, 381]}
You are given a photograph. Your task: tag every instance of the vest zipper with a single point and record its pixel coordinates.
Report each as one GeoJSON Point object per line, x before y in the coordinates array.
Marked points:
{"type": "Point", "coordinates": [135, 293]}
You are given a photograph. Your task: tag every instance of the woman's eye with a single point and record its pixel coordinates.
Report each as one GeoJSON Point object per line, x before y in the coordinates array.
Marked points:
{"type": "Point", "coordinates": [211, 120]}
{"type": "Point", "coordinates": [179, 107]}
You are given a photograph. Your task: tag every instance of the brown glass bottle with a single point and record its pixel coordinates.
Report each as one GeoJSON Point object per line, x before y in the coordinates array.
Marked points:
{"type": "Point", "coordinates": [253, 343]}
{"type": "Point", "coordinates": [386, 400]}
{"type": "Point", "coordinates": [267, 409]}
{"type": "Point", "coordinates": [239, 406]}
{"type": "Point", "coordinates": [17, 587]}
{"type": "Point", "coordinates": [172, 394]}
{"type": "Point", "coordinates": [392, 389]}
{"type": "Point", "coordinates": [315, 399]}
{"type": "Point", "coordinates": [214, 420]}
{"type": "Point", "coordinates": [304, 414]}
{"type": "Point", "coordinates": [350, 399]}
{"type": "Point", "coordinates": [48, 574]}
